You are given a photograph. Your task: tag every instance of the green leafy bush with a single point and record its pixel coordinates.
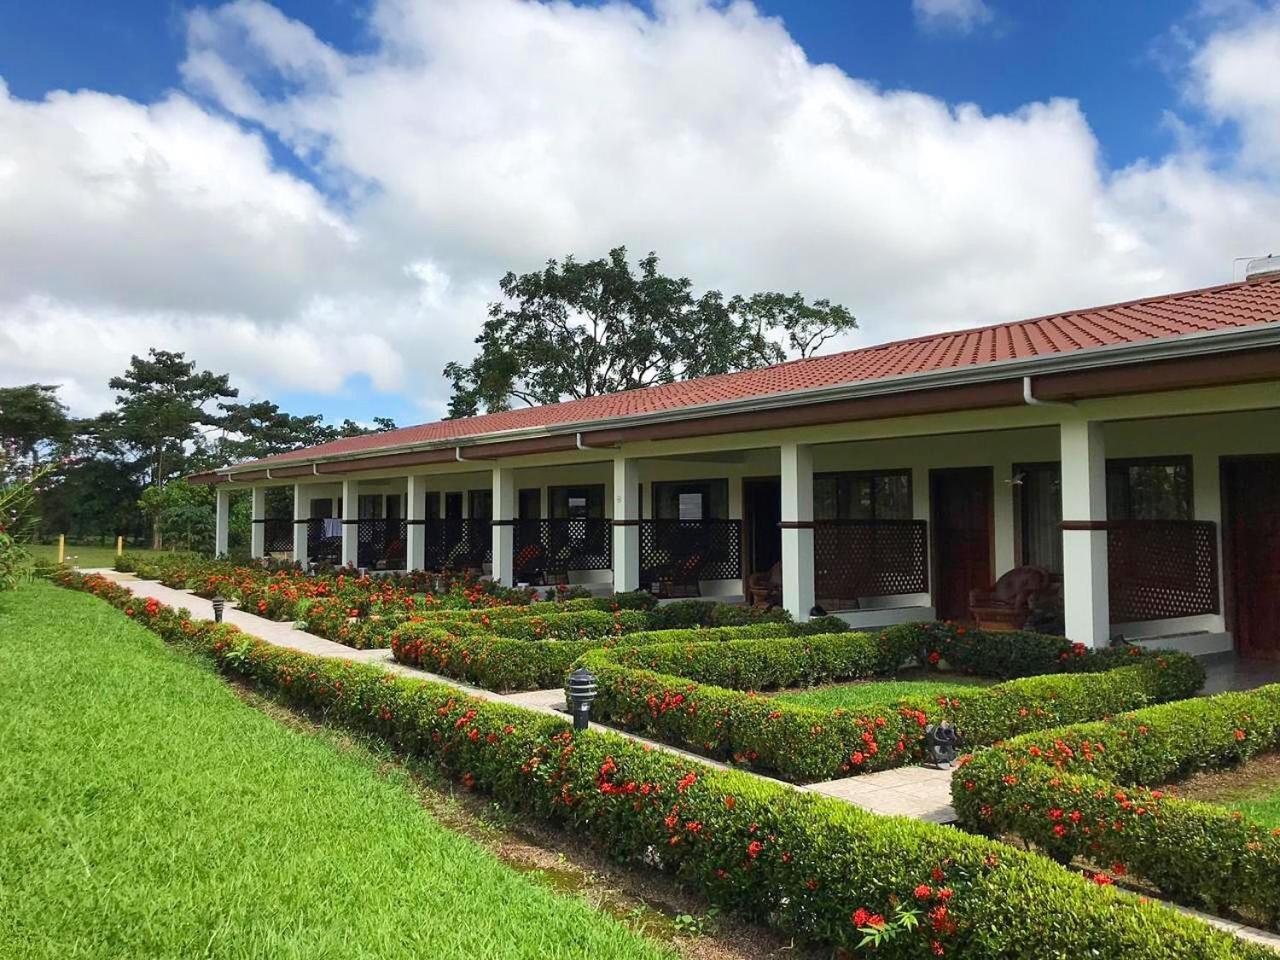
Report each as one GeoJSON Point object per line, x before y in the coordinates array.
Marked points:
{"type": "Point", "coordinates": [811, 866]}
{"type": "Point", "coordinates": [466, 650]}
{"type": "Point", "coordinates": [1094, 790]}
{"type": "Point", "coordinates": [701, 696]}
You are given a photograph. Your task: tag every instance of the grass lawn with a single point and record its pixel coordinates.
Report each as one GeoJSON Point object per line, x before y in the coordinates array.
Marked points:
{"type": "Point", "coordinates": [864, 694]}
{"type": "Point", "coordinates": [1253, 789]}
{"type": "Point", "coordinates": [149, 812]}
{"type": "Point", "coordinates": [84, 557]}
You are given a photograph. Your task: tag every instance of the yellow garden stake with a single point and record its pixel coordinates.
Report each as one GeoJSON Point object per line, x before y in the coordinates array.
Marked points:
{"type": "Point", "coordinates": [62, 547]}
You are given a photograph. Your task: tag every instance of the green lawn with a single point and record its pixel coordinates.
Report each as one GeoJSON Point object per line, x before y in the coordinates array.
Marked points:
{"type": "Point", "coordinates": [1264, 806]}
{"type": "Point", "coordinates": [149, 812]}
{"type": "Point", "coordinates": [865, 694]}
{"type": "Point", "coordinates": [80, 556]}
{"type": "Point", "coordinates": [1253, 789]}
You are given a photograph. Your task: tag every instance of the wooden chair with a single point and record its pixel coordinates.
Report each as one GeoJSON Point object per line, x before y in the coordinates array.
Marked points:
{"type": "Point", "coordinates": [765, 589]}
{"type": "Point", "coordinates": [1006, 605]}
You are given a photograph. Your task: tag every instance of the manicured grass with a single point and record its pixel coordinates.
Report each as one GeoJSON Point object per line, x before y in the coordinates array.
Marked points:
{"type": "Point", "coordinates": [149, 812]}
{"type": "Point", "coordinates": [1253, 789]}
{"type": "Point", "coordinates": [865, 694]}
{"type": "Point", "coordinates": [86, 557]}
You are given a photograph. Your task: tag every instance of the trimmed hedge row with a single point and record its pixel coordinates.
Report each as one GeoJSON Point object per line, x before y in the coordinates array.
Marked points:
{"type": "Point", "coordinates": [811, 866]}
{"type": "Point", "coordinates": [470, 652]}
{"type": "Point", "coordinates": [679, 694]}
{"type": "Point", "coordinates": [1093, 790]}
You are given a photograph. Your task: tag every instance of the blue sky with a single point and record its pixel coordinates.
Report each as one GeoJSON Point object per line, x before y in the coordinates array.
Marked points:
{"type": "Point", "coordinates": [379, 257]}
{"type": "Point", "coordinates": [1107, 55]}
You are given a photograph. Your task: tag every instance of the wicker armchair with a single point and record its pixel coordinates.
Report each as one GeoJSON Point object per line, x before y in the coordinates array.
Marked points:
{"type": "Point", "coordinates": [1007, 604]}
{"type": "Point", "coordinates": [765, 589]}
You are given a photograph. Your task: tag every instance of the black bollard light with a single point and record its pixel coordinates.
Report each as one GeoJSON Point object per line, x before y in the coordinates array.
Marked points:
{"type": "Point", "coordinates": [582, 690]}
{"type": "Point", "coordinates": [941, 744]}
{"type": "Point", "coordinates": [219, 601]}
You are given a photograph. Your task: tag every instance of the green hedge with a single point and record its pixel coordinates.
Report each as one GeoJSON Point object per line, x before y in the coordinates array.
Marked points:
{"type": "Point", "coordinates": [700, 696]}
{"type": "Point", "coordinates": [1093, 790]}
{"type": "Point", "coordinates": [750, 631]}
{"type": "Point", "coordinates": [811, 866]}
{"type": "Point", "coordinates": [471, 652]}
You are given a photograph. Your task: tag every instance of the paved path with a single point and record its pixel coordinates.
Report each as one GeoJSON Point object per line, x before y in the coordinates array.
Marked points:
{"type": "Point", "coordinates": [916, 792]}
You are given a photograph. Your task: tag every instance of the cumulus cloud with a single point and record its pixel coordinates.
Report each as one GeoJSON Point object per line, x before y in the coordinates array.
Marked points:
{"type": "Point", "coordinates": [477, 136]}
{"type": "Point", "coordinates": [961, 15]}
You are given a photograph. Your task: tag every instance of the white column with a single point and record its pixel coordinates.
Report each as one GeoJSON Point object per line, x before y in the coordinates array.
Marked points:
{"type": "Point", "coordinates": [504, 515]}
{"type": "Point", "coordinates": [415, 530]}
{"type": "Point", "coordinates": [1084, 536]}
{"type": "Point", "coordinates": [301, 512]}
{"type": "Point", "coordinates": [797, 529]}
{"type": "Point", "coordinates": [350, 530]}
{"type": "Point", "coordinates": [626, 524]}
{"type": "Point", "coordinates": [221, 520]}
{"type": "Point", "coordinates": [258, 536]}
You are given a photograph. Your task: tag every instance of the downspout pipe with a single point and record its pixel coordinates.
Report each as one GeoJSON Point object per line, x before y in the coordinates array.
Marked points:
{"type": "Point", "coordinates": [1029, 397]}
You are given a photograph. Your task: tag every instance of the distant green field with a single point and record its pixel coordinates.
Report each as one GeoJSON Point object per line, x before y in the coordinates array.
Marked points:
{"type": "Point", "coordinates": [149, 812]}
{"type": "Point", "coordinates": [83, 557]}
{"type": "Point", "coordinates": [864, 694]}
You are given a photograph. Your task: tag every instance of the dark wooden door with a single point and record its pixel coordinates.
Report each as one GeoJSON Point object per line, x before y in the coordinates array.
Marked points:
{"type": "Point", "coordinates": [762, 506]}
{"type": "Point", "coordinates": [1251, 488]}
{"type": "Point", "coordinates": [960, 505]}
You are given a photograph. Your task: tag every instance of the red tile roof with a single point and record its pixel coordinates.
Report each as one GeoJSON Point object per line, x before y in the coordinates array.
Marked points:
{"type": "Point", "coordinates": [1235, 305]}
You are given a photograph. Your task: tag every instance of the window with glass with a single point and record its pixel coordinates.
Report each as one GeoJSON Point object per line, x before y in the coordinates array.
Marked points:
{"type": "Point", "coordinates": [453, 505]}
{"type": "Point", "coordinates": [691, 499]}
{"type": "Point", "coordinates": [571, 503]}
{"type": "Point", "coordinates": [1152, 488]}
{"type": "Point", "coordinates": [1037, 503]}
{"type": "Point", "coordinates": [369, 506]}
{"type": "Point", "coordinates": [884, 495]}
{"type": "Point", "coordinates": [529, 503]}
{"type": "Point", "coordinates": [480, 504]}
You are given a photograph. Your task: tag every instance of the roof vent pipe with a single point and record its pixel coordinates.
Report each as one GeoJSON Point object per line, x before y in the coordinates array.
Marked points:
{"type": "Point", "coordinates": [1268, 266]}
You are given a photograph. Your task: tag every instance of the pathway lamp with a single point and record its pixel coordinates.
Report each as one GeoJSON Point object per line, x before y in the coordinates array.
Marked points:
{"type": "Point", "coordinates": [582, 690]}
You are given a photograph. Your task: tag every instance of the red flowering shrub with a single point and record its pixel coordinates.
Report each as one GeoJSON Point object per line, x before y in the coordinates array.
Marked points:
{"type": "Point", "coordinates": [1094, 790]}
{"type": "Point", "coordinates": [700, 696]}
{"type": "Point", "coordinates": [814, 867]}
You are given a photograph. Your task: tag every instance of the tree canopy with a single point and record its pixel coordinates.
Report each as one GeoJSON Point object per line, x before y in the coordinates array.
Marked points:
{"type": "Point", "coordinates": [33, 420]}
{"type": "Point", "coordinates": [580, 329]}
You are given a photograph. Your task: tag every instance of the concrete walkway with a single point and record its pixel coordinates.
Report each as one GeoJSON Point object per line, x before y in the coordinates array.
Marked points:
{"type": "Point", "coordinates": [916, 792]}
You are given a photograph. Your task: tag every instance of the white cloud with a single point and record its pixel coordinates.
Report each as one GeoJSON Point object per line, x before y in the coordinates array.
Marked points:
{"type": "Point", "coordinates": [960, 15]}
{"type": "Point", "coordinates": [479, 136]}
{"type": "Point", "coordinates": [1234, 76]}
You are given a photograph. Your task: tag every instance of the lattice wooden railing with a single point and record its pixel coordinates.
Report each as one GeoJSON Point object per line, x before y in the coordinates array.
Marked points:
{"type": "Point", "coordinates": [458, 544]}
{"type": "Point", "coordinates": [868, 558]}
{"type": "Point", "coordinates": [687, 551]}
{"type": "Point", "coordinates": [381, 544]}
{"type": "Point", "coordinates": [277, 535]}
{"type": "Point", "coordinates": [556, 546]}
{"type": "Point", "coordinates": [1161, 569]}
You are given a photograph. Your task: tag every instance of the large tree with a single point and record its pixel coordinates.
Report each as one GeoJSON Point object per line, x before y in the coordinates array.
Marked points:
{"type": "Point", "coordinates": [260, 429]}
{"type": "Point", "coordinates": [33, 420]}
{"type": "Point", "coordinates": [163, 408]}
{"type": "Point", "coordinates": [579, 329]}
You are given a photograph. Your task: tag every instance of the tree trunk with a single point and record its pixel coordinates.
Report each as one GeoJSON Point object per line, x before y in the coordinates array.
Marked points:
{"type": "Point", "coordinates": [156, 542]}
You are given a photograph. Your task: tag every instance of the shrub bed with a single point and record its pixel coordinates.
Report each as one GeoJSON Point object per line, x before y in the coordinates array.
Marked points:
{"type": "Point", "coordinates": [811, 866]}
{"type": "Point", "coordinates": [701, 696]}
{"type": "Point", "coordinates": [1094, 790]}
{"type": "Point", "coordinates": [468, 651]}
